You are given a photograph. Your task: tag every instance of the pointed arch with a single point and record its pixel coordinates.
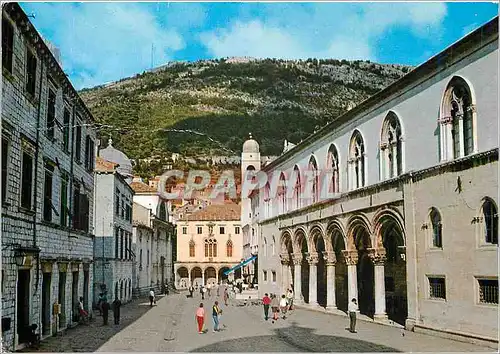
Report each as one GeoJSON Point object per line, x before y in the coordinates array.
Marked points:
{"type": "Point", "coordinates": [211, 247]}
{"type": "Point", "coordinates": [390, 215]}
{"type": "Point", "coordinates": [357, 161]}
{"type": "Point", "coordinates": [297, 188]}
{"type": "Point", "coordinates": [299, 237]}
{"type": "Point", "coordinates": [286, 242]}
{"type": "Point", "coordinates": [359, 232]}
{"type": "Point", "coordinates": [489, 213]}
{"type": "Point", "coordinates": [267, 201]}
{"type": "Point", "coordinates": [229, 248]}
{"type": "Point", "coordinates": [282, 202]}
{"type": "Point", "coordinates": [316, 231]}
{"type": "Point", "coordinates": [333, 166]}
{"type": "Point", "coordinates": [391, 147]}
{"type": "Point", "coordinates": [313, 168]}
{"type": "Point", "coordinates": [437, 227]}
{"type": "Point", "coordinates": [457, 120]}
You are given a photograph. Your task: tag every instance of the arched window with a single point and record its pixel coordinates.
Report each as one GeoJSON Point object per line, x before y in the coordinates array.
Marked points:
{"type": "Point", "coordinates": [229, 248]}
{"type": "Point", "coordinates": [297, 188]}
{"type": "Point", "coordinates": [391, 151]}
{"type": "Point", "coordinates": [437, 228]}
{"type": "Point", "coordinates": [274, 246]}
{"type": "Point", "coordinates": [191, 248]}
{"type": "Point", "coordinates": [282, 194]}
{"type": "Point", "coordinates": [490, 214]}
{"type": "Point", "coordinates": [333, 166]}
{"type": "Point", "coordinates": [357, 161]}
{"type": "Point", "coordinates": [457, 121]}
{"type": "Point", "coordinates": [267, 201]}
{"type": "Point", "coordinates": [313, 168]}
{"type": "Point", "coordinates": [211, 248]}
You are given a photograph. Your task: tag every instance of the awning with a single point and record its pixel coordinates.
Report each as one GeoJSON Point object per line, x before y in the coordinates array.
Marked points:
{"type": "Point", "coordinates": [242, 264]}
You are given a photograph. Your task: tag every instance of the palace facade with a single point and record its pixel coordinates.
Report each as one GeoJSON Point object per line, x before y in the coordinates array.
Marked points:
{"type": "Point", "coordinates": [209, 243]}
{"type": "Point", "coordinates": [410, 227]}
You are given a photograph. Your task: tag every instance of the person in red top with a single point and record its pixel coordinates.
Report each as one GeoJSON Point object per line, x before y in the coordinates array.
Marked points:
{"type": "Point", "coordinates": [200, 318]}
{"type": "Point", "coordinates": [266, 301]}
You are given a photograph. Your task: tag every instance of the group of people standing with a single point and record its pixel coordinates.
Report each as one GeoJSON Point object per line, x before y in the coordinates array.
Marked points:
{"type": "Point", "coordinates": [104, 307]}
{"type": "Point", "coordinates": [216, 310]}
{"type": "Point", "coordinates": [277, 305]}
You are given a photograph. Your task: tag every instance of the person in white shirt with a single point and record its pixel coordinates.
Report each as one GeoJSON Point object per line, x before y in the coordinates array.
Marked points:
{"type": "Point", "coordinates": [352, 308]}
{"type": "Point", "coordinates": [289, 297]}
{"type": "Point", "coordinates": [283, 305]}
{"type": "Point", "coordinates": [151, 297]}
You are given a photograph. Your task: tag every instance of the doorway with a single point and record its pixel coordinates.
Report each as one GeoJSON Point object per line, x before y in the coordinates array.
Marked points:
{"type": "Point", "coordinates": [23, 304]}
{"type": "Point", "coordinates": [46, 283]}
{"type": "Point", "coordinates": [61, 298]}
{"type": "Point", "coordinates": [74, 297]}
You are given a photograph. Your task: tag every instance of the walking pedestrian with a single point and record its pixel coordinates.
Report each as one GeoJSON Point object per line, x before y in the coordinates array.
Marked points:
{"type": "Point", "coordinates": [116, 310]}
{"type": "Point", "coordinates": [218, 290]}
{"type": "Point", "coordinates": [353, 307]}
{"type": "Point", "coordinates": [200, 318]}
{"type": "Point", "coordinates": [283, 305]}
{"type": "Point", "coordinates": [274, 307]}
{"type": "Point", "coordinates": [226, 296]}
{"type": "Point", "coordinates": [266, 301]}
{"type": "Point", "coordinates": [105, 310]}
{"type": "Point", "coordinates": [84, 316]}
{"type": "Point", "coordinates": [99, 303]}
{"type": "Point", "coordinates": [202, 292]}
{"type": "Point", "coordinates": [209, 289]}
{"type": "Point", "coordinates": [151, 297]}
{"type": "Point", "coordinates": [191, 290]}
{"type": "Point", "coordinates": [289, 297]}
{"type": "Point", "coordinates": [216, 311]}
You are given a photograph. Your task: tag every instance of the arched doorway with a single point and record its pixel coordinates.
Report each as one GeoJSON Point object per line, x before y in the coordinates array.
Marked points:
{"type": "Point", "coordinates": [210, 275]}
{"type": "Point", "coordinates": [365, 272]}
{"type": "Point", "coordinates": [341, 281]}
{"type": "Point", "coordinates": [222, 277]}
{"type": "Point", "coordinates": [394, 270]}
{"type": "Point", "coordinates": [301, 241]}
{"type": "Point", "coordinates": [319, 245]}
{"type": "Point", "coordinates": [182, 278]}
{"type": "Point", "coordinates": [196, 276]}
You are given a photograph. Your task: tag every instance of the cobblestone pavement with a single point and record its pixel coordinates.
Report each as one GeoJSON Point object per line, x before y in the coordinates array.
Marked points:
{"type": "Point", "coordinates": [171, 327]}
{"type": "Point", "coordinates": [88, 338]}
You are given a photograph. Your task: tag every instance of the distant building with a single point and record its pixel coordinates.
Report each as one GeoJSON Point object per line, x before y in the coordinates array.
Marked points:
{"type": "Point", "coordinates": [209, 243]}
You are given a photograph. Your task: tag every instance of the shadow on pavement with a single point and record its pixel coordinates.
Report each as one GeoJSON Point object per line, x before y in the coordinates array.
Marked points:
{"type": "Point", "coordinates": [302, 338]}
{"type": "Point", "coordinates": [89, 338]}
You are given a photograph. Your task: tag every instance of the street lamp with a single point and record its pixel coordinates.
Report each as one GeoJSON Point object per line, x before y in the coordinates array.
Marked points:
{"type": "Point", "coordinates": [20, 258]}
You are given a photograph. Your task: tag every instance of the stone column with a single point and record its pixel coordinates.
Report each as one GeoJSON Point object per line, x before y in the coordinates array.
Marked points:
{"type": "Point", "coordinates": [312, 259]}
{"type": "Point", "coordinates": [189, 278]}
{"type": "Point", "coordinates": [351, 259]}
{"type": "Point", "coordinates": [203, 277]}
{"type": "Point", "coordinates": [330, 262]}
{"type": "Point", "coordinates": [217, 276]}
{"type": "Point", "coordinates": [285, 265]}
{"type": "Point", "coordinates": [297, 283]}
{"type": "Point", "coordinates": [460, 118]}
{"type": "Point", "coordinates": [394, 148]}
{"type": "Point", "coordinates": [378, 258]}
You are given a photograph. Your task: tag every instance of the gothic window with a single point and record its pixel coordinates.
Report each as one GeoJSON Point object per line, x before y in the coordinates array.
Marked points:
{"type": "Point", "coordinates": [191, 248]}
{"type": "Point", "coordinates": [267, 201]}
{"type": "Point", "coordinates": [229, 248]}
{"type": "Point", "coordinates": [163, 212]}
{"type": "Point", "coordinates": [437, 228]}
{"type": "Point", "coordinates": [490, 215]}
{"type": "Point", "coordinates": [273, 246]}
{"type": "Point", "coordinates": [357, 166]}
{"type": "Point", "coordinates": [313, 168]}
{"type": "Point", "coordinates": [457, 121]}
{"type": "Point", "coordinates": [333, 166]}
{"type": "Point", "coordinates": [282, 194]}
{"type": "Point", "coordinates": [297, 188]}
{"type": "Point", "coordinates": [211, 248]}
{"type": "Point", "coordinates": [391, 151]}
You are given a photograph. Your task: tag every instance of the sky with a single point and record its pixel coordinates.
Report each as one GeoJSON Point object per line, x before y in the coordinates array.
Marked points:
{"type": "Point", "coordinates": [104, 42]}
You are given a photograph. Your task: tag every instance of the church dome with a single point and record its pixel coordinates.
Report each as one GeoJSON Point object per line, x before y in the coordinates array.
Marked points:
{"type": "Point", "coordinates": [118, 157]}
{"type": "Point", "coordinates": [251, 146]}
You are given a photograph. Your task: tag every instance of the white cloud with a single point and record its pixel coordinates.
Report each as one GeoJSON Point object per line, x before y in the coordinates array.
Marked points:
{"type": "Point", "coordinates": [343, 31]}
{"type": "Point", "coordinates": [102, 42]}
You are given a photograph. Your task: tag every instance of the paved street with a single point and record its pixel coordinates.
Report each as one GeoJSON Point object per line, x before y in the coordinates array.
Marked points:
{"type": "Point", "coordinates": [170, 326]}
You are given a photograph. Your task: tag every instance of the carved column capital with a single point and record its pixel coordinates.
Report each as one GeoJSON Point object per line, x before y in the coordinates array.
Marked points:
{"type": "Point", "coordinates": [329, 257]}
{"type": "Point", "coordinates": [471, 108]}
{"type": "Point", "coordinates": [351, 257]}
{"type": "Point", "coordinates": [377, 256]}
{"type": "Point", "coordinates": [297, 258]}
{"type": "Point", "coordinates": [383, 145]}
{"type": "Point", "coordinates": [445, 120]}
{"type": "Point", "coordinates": [313, 258]}
{"type": "Point", "coordinates": [285, 258]}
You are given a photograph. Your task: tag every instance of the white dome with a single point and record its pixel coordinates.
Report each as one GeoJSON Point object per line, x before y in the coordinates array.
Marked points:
{"type": "Point", "coordinates": [116, 156]}
{"type": "Point", "coordinates": [251, 146]}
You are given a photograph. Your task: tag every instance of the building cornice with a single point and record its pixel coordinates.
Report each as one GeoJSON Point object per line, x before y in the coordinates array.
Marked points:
{"type": "Point", "coordinates": [466, 46]}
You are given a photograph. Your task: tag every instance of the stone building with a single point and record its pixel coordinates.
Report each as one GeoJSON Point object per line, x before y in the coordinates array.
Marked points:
{"type": "Point", "coordinates": [395, 202]}
{"type": "Point", "coordinates": [209, 243]}
{"type": "Point", "coordinates": [113, 256]}
{"type": "Point", "coordinates": [157, 249]}
{"type": "Point", "coordinates": [48, 159]}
